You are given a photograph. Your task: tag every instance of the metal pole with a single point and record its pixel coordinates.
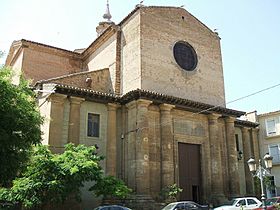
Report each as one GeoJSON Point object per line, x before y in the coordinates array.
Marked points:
{"type": "Point", "coordinates": [261, 175]}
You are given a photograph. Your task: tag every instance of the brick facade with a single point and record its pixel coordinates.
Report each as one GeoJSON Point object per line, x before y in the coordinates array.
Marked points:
{"type": "Point", "coordinates": [147, 104]}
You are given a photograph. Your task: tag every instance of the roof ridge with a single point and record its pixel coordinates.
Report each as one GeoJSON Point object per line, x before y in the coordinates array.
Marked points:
{"type": "Point", "coordinates": [49, 46]}
{"type": "Point", "coordinates": [69, 75]}
{"type": "Point", "coordinates": [269, 113]}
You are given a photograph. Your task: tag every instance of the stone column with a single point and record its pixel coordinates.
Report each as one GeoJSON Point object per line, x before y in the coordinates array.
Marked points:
{"type": "Point", "coordinates": [216, 160]}
{"type": "Point", "coordinates": [111, 147]}
{"type": "Point", "coordinates": [142, 149]}
{"type": "Point", "coordinates": [56, 122]}
{"type": "Point", "coordinates": [246, 156]}
{"type": "Point", "coordinates": [74, 120]}
{"type": "Point", "coordinates": [130, 139]}
{"type": "Point", "coordinates": [256, 154]}
{"type": "Point", "coordinates": [256, 146]}
{"type": "Point", "coordinates": [124, 143]}
{"type": "Point", "coordinates": [167, 162]}
{"type": "Point", "coordinates": [233, 172]}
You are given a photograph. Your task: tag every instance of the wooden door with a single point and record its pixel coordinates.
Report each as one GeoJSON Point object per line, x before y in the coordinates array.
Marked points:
{"type": "Point", "coordinates": [189, 171]}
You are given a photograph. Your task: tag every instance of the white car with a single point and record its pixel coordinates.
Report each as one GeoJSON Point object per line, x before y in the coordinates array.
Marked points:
{"type": "Point", "coordinates": [241, 203]}
{"type": "Point", "coordinates": [112, 207]}
{"type": "Point", "coordinates": [185, 205]}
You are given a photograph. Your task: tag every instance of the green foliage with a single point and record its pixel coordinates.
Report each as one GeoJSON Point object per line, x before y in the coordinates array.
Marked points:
{"type": "Point", "coordinates": [54, 178]}
{"type": "Point", "coordinates": [170, 192]}
{"type": "Point", "coordinates": [1, 55]}
{"type": "Point", "coordinates": [19, 126]}
{"type": "Point", "coordinates": [111, 187]}
{"type": "Point", "coordinates": [277, 206]}
{"type": "Point", "coordinates": [267, 183]}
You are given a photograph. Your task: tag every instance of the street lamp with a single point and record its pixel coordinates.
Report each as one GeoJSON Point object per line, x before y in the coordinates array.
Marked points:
{"type": "Point", "coordinates": [261, 172]}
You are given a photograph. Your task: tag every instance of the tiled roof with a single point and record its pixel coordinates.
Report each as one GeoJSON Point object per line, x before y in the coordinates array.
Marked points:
{"type": "Point", "coordinates": [68, 75]}
{"type": "Point", "coordinates": [88, 94]}
{"type": "Point", "coordinates": [246, 123]}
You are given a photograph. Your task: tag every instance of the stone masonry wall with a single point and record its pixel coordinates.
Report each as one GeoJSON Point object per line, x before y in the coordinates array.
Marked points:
{"type": "Point", "coordinates": [192, 128]}
{"type": "Point", "coordinates": [154, 153]}
{"type": "Point", "coordinates": [241, 163]}
{"type": "Point", "coordinates": [95, 108]}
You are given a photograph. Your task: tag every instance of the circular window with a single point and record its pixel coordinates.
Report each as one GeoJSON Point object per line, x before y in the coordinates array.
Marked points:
{"type": "Point", "coordinates": [185, 55]}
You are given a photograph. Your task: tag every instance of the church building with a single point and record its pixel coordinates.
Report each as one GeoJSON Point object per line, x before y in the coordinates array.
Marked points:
{"type": "Point", "coordinates": [149, 92]}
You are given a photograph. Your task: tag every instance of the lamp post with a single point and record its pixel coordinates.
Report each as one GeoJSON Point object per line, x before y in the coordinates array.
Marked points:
{"type": "Point", "coordinates": [261, 172]}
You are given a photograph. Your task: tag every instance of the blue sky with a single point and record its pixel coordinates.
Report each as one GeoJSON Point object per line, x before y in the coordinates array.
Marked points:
{"type": "Point", "coordinates": [249, 31]}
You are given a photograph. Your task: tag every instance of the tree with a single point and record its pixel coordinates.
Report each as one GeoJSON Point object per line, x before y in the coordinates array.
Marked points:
{"type": "Point", "coordinates": [19, 125]}
{"type": "Point", "coordinates": [54, 178]}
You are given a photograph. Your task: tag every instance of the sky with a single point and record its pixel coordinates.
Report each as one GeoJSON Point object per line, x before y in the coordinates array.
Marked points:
{"type": "Point", "coordinates": [249, 31]}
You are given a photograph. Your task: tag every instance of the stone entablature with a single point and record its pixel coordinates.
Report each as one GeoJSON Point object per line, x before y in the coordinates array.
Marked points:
{"type": "Point", "coordinates": [180, 103]}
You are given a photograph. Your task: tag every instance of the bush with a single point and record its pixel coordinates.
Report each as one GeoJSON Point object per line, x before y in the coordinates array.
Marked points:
{"type": "Point", "coordinates": [54, 178]}
{"type": "Point", "coordinates": [111, 187]}
{"type": "Point", "coordinates": [170, 193]}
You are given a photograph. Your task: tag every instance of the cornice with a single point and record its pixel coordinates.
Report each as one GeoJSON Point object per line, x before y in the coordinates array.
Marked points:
{"type": "Point", "coordinates": [16, 45]}
{"type": "Point", "coordinates": [23, 43]}
{"type": "Point", "coordinates": [156, 98]}
{"type": "Point", "coordinates": [49, 48]}
{"type": "Point", "coordinates": [242, 123]}
{"type": "Point", "coordinates": [15, 56]}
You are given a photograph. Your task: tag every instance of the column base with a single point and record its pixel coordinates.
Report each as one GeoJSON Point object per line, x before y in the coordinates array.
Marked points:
{"type": "Point", "coordinates": [140, 202]}
{"type": "Point", "coordinates": [218, 199]}
{"type": "Point", "coordinates": [231, 196]}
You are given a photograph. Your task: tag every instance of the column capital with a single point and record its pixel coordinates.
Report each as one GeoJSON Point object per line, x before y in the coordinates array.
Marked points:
{"type": "Point", "coordinates": [76, 100]}
{"type": "Point", "coordinates": [143, 102]}
{"type": "Point", "coordinates": [166, 107]}
{"type": "Point", "coordinates": [58, 98]}
{"type": "Point", "coordinates": [245, 129]}
{"type": "Point", "coordinates": [131, 105]}
{"type": "Point", "coordinates": [214, 116]}
{"type": "Point", "coordinates": [230, 119]}
{"type": "Point", "coordinates": [112, 106]}
{"type": "Point", "coordinates": [139, 102]}
{"type": "Point", "coordinates": [255, 129]}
